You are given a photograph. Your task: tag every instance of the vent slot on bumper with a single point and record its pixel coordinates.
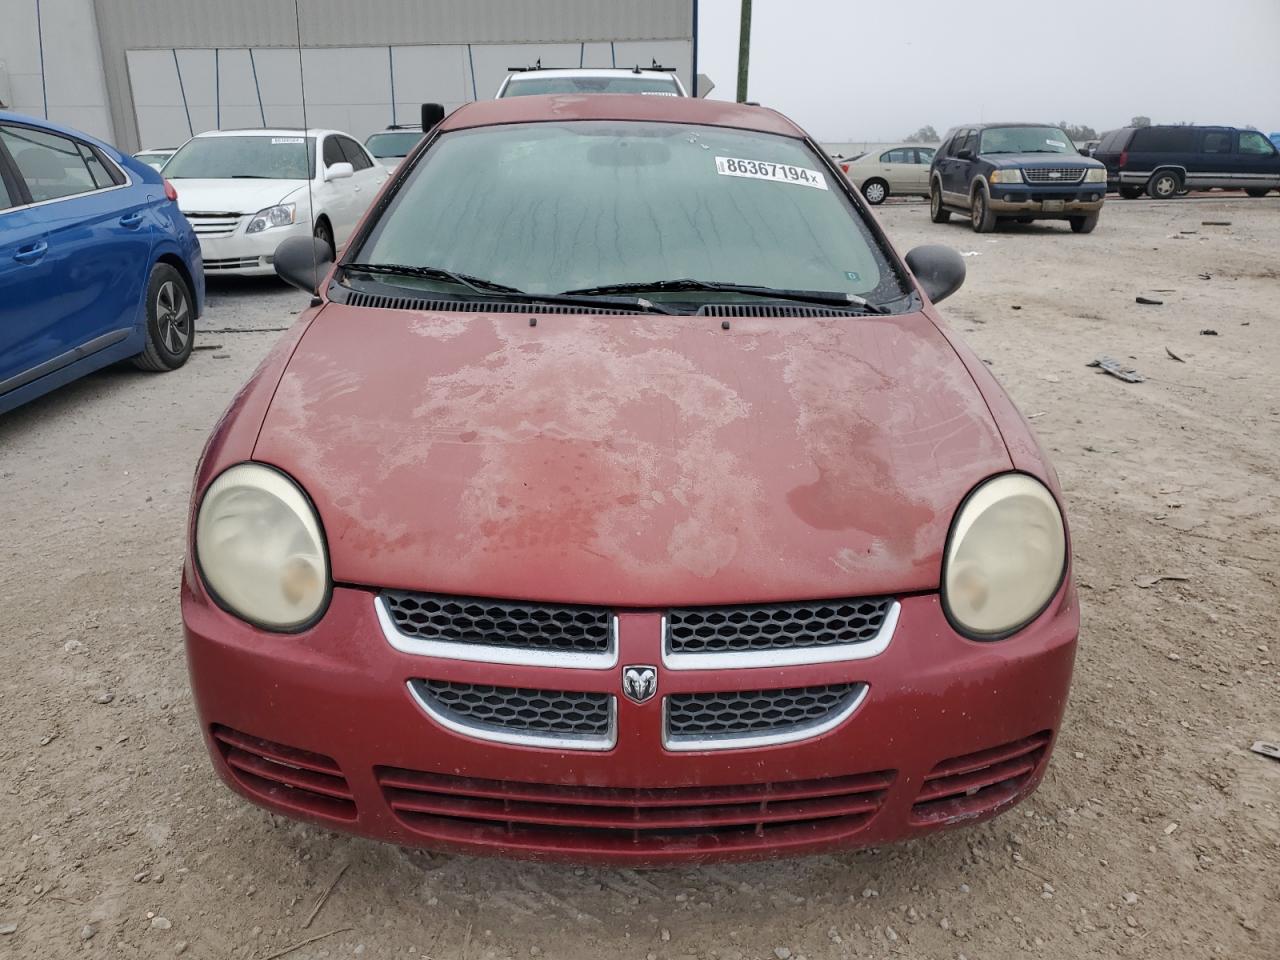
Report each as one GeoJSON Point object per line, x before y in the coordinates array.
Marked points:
{"type": "Point", "coordinates": [305, 782]}
{"type": "Point", "coordinates": [978, 783]}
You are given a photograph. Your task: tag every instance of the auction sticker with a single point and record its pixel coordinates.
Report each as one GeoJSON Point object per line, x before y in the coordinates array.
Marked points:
{"type": "Point", "coordinates": [287, 140]}
{"type": "Point", "coordinates": [768, 170]}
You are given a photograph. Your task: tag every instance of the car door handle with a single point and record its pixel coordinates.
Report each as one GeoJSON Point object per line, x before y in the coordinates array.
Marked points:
{"type": "Point", "coordinates": [131, 220]}
{"type": "Point", "coordinates": [32, 252]}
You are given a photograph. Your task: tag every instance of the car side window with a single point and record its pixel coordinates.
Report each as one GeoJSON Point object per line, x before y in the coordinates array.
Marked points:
{"type": "Point", "coordinates": [333, 152]}
{"type": "Point", "coordinates": [964, 141]}
{"type": "Point", "coordinates": [6, 201]}
{"type": "Point", "coordinates": [1255, 144]}
{"type": "Point", "coordinates": [354, 153]}
{"type": "Point", "coordinates": [896, 156]}
{"type": "Point", "coordinates": [52, 166]}
{"type": "Point", "coordinates": [102, 174]}
{"type": "Point", "coordinates": [1216, 141]}
{"type": "Point", "coordinates": [924, 155]}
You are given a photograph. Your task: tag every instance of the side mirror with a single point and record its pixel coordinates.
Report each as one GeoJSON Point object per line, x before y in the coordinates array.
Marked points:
{"type": "Point", "coordinates": [1084, 152]}
{"type": "Point", "coordinates": [939, 270]}
{"type": "Point", "coordinates": [338, 171]}
{"type": "Point", "coordinates": [432, 113]}
{"type": "Point", "coordinates": [964, 154]}
{"type": "Point", "coordinates": [303, 262]}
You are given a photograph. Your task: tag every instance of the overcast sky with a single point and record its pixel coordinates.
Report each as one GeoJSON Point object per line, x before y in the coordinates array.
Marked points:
{"type": "Point", "coordinates": [850, 70]}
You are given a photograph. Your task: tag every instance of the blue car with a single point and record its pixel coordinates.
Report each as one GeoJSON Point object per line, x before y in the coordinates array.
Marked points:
{"type": "Point", "coordinates": [97, 264]}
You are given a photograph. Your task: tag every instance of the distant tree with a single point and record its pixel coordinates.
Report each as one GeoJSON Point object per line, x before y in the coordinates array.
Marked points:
{"type": "Point", "coordinates": [925, 134]}
{"type": "Point", "coordinates": [1079, 132]}
{"type": "Point", "coordinates": [1140, 122]}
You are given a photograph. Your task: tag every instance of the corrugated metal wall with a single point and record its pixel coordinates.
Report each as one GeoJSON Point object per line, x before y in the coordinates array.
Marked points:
{"type": "Point", "coordinates": [240, 25]}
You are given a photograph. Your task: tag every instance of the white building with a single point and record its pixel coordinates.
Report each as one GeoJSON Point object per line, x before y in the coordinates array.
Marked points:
{"type": "Point", "coordinates": [154, 72]}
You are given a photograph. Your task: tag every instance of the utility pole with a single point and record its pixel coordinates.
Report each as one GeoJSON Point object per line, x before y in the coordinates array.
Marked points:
{"type": "Point", "coordinates": [744, 50]}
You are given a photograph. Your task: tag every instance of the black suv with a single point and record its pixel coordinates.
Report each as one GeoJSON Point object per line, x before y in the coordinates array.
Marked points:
{"type": "Point", "coordinates": [1015, 171]}
{"type": "Point", "coordinates": [1164, 161]}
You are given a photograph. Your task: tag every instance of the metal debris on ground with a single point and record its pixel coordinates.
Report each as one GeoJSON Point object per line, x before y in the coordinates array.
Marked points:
{"type": "Point", "coordinates": [1117, 369]}
{"type": "Point", "coordinates": [1147, 582]}
{"type": "Point", "coordinates": [207, 346]}
{"type": "Point", "coordinates": [1149, 301]}
{"type": "Point", "coordinates": [1208, 332]}
{"type": "Point", "coordinates": [1215, 223]}
{"type": "Point", "coordinates": [1266, 748]}
{"type": "Point", "coordinates": [1206, 276]}
{"type": "Point", "coordinates": [1173, 356]}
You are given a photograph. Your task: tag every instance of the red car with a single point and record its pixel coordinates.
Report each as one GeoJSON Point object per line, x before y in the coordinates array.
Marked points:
{"type": "Point", "coordinates": [623, 498]}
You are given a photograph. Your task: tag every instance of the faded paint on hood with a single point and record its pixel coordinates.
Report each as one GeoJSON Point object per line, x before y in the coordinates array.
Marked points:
{"type": "Point", "coordinates": [233, 196]}
{"type": "Point", "coordinates": [634, 460]}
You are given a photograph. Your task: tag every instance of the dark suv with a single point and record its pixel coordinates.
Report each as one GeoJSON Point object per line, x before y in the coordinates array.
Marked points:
{"type": "Point", "coordinates": [1163, 161]}
{"type": "Point", "coordinates": [1015, 171]}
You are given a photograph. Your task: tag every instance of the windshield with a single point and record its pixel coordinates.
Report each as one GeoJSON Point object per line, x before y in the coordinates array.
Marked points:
{"type": "Point", "coordinates": [624, 83]}
{"type": "Point", "coordinates": [281, 157]}
{"type": "Point", "coordinates": [550, 207]}
{"type": "Point", "coordinates": [1025, 140]}
{"type": "Point", "coordinates": [393, 144]}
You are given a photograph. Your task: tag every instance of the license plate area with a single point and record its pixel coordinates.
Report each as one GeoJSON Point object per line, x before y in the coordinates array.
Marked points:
{"type": "Point", "coordinates": [1053, 206]}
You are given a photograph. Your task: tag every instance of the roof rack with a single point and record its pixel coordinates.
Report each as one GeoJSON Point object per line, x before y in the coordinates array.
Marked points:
{"type": "Point", "coordinates": [636, 69]}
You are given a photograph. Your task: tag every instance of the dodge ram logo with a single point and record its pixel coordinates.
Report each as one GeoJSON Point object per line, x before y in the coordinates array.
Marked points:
{"type": "Point", "coordinates": [639, 683]}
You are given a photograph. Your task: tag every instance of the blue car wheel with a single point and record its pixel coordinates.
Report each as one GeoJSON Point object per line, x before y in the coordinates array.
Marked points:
{"type": "Point", "coordinates": [170, 321]}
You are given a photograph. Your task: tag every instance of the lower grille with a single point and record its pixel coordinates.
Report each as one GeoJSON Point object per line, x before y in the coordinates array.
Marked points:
{"type": "Point", "coordinates": [710, 721]}
{"type": "Point", "coordinates": [978, 783]}
{"type": "Point", "coordinates": [1053, 174]}
{"type": "Point", "coordinates": [232, 263]}
{"type": "Point", "coordinates": [520, 715]}
{"type": "Point", "coordinates": [308, 783]}
{"type": "Point", "coordinates": [534, 815]}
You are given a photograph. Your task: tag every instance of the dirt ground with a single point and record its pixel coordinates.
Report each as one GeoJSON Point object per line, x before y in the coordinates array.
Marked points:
{"type": "Point", "coordinates": [1156, 832]}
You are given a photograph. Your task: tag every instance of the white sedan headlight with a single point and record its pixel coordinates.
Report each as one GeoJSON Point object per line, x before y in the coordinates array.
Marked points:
{"type": "Point", "coordinates": [1012, 175]}
{"type": "Point", "coordinates": [260, 548]}
{"type": "Point", "coordinates": [1005, 558]}
{"type": "Point", "coordinates": [281, 215]}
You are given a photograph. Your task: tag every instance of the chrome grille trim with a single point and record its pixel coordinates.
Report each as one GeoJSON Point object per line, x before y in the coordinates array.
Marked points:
{"type": "Point", "coordinates": [741, 741]}
{"type": "Point", "coordinates": [783, 656]}
{"type": "Point", "coordinates": [495, 733]}
{"type": "Point", "coordinates": [493, 653]}
{"type": "Point", "coordinates": [1045, 174]}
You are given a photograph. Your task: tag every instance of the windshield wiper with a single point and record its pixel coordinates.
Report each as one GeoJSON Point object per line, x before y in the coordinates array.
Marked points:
{"type": "Point", "coordinates": [491, 288]}
{"type": "Point", "coordinates": [251, 176]}
{"type": "Point", "coordinates": [832, 297]}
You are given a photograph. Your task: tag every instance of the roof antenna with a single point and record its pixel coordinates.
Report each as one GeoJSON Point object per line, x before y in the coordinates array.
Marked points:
{"type": "Point", "coordinates": [310, 152]}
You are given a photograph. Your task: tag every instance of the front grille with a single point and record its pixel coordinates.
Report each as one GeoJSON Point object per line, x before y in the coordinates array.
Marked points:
{"type": "Point", "coordinates": [302, 781]}
{"type": "Point", "coordinates": [518, 714]}
{"type": "Point", "coordinates": [779, 626]}
{"type": "Point", "coordinates": [502, 623]}
{"type": "Point", "coordinates": [743, 718]}
{"type": "Point", "coordinates": [528, 817]}
{"type": "Point", "coordinates": [212, 225]}
{"type": "Point", "coordinates": [981, 782]}
{"type": "Point", "coordinates": [1053, 174]}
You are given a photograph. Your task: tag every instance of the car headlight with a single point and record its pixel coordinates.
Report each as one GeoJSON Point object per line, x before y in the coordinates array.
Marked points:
{"type": "Point", "coordinates": [1013, 175]}
{"type": "Point", "coordinates": [1005, 558]}
{"type": "Point", "coordinates": [1096, 175]}
{"type": "Point", "coordinates": [260, 548]}
{"type": "Point", "coordinates": [281, 215]}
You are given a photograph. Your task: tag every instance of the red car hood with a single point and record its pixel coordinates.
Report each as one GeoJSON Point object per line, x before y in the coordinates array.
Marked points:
{"type": "Point", "coordinates": [632, 460]}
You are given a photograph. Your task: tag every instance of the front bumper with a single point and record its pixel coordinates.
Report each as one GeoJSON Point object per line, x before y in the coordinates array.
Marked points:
{"type": "Point", "coordinates": [247, 254]}
{"type": "Point", "coordinates": [322, 726]}
{"type": "Point", "coordinates": [1024, 199]}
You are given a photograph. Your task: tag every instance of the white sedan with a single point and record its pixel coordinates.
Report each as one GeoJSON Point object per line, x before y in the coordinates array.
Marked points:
{"type": "Point", "coordinates": [897, 171]}
{"type": "Point", "coordinates": [244, 191]}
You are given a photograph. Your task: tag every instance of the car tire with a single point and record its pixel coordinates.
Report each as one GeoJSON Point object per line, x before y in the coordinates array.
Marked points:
{"type": "Point", "coordinates": [1084, 224]}
{"type": "Point", "coordinates": [980, 215]}
{"type": "Point", "coordinates": [171, 321]}
{"type": "Point", "coordinates": [1164, 185]}
{"type": "Point", "coordinates": [937, 212]}
{"type": "Point", "coordinates": [875, 191]}
{"type": "Point", "coordinates": [1131, 193]}
{"type": "Point", "coordinates": [324, 232]}
{"type": "Point", "coordinates": [1256, 191]}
